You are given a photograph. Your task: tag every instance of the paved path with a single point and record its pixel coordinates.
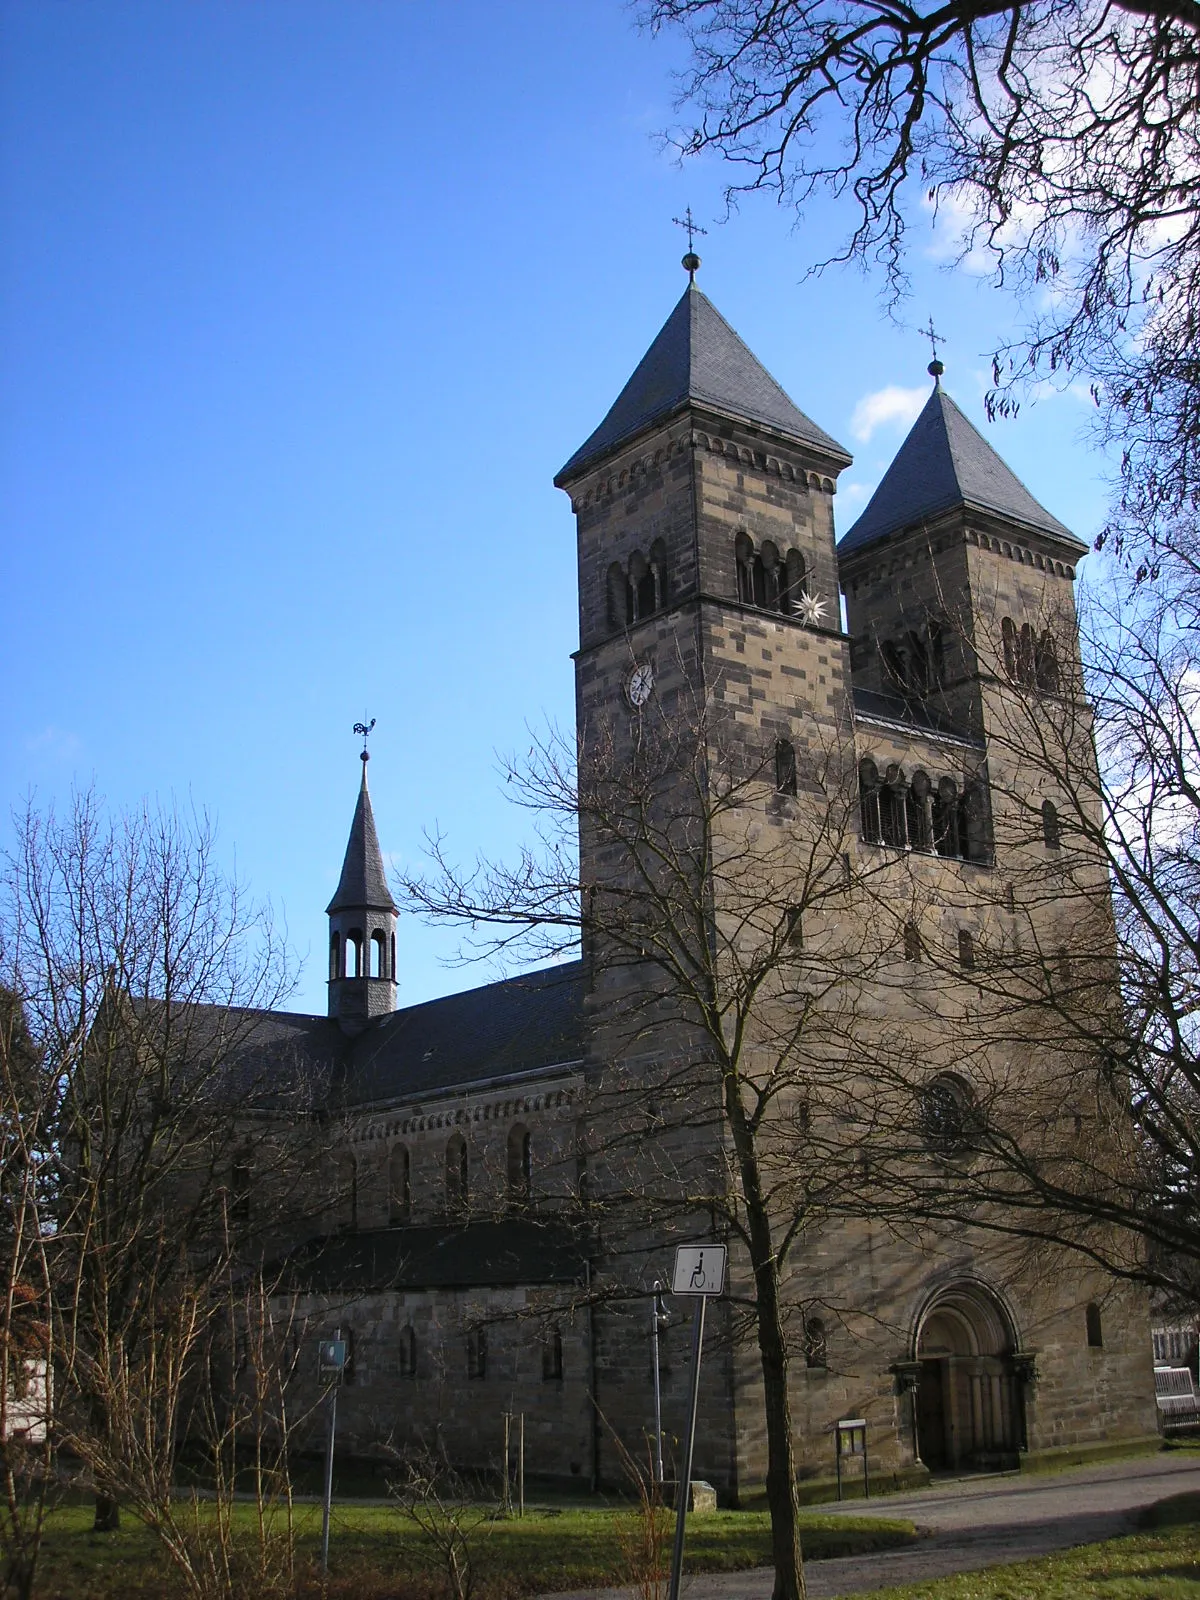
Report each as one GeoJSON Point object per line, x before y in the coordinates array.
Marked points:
{"type": "Point", "coordinates": [974, 1522]}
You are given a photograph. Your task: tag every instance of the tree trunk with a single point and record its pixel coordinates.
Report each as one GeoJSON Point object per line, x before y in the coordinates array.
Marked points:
{"type": "Point", "coordinates": [782, 1503]}
{"type": "Point", "coordinates": [781, 1462]}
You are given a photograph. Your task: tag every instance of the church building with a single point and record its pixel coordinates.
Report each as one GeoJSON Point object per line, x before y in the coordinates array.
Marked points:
{"type": "Point", "coordinates": [466, 1252]}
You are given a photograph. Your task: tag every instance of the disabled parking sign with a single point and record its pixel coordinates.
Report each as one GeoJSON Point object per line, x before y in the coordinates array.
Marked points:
{"type": "Point", "coordinates": [699, 1269]}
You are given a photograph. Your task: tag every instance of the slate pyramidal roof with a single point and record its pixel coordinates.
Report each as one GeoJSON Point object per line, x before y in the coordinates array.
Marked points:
{"type": "Point", "coordinates": [363, 883]}
{"type": "Point", "coordinates": [698, 359]}
{"type": "Point", "coordinates": [945, 463]}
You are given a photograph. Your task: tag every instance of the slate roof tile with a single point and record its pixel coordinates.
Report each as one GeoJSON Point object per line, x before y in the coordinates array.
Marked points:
{"type": "Point", "coordinates": [518, 1025]}
{"type": "Point", "coordinates": [490, 1253]}
{"type": "Point", "coordinates": [363, 882]}
{"type": "Point", "coordinates": [698, 357]}
{"type": "Point", "coordinates": [946, 462]}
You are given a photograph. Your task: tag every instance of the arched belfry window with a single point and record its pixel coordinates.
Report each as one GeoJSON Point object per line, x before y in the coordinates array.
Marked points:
{"type": "Point", "coordinates": [1046, 664]}
{"type": "Point", "coordinates": [637, 589]}
{"type": "Point", "coordinates": [399, 1185]}
{"type": "Point", "coordinates": [1008, 636]}
{"type": "Point", "coordinates": [352, 966]}
{"type": "Point", "coordinates": [743, 551]}
{"type": "Point", "coordinates": [868, 800]}
{"type": "Point", "coordinates": [1051, 832]}
{"type": "Point", "coordinates": [379, 954]}
{"type": "Point", "coordinates": [520, 1165]}
{"type": "Point", "coordinates": [767, 577]}
{"type": "Point", "coordinates": [335, 955]}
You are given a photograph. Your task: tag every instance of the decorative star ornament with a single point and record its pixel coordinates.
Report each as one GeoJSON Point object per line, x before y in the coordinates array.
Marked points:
{"type": "Point", "coordinates": [811, 609]}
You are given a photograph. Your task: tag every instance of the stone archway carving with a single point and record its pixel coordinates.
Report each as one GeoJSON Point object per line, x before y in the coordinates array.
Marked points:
{"type": "Point", "coordinates": [969, 1397]}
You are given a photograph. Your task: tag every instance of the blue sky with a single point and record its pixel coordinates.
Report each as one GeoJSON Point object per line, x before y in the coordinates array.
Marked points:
{"type": "Point", "coordinates": [302, 304]}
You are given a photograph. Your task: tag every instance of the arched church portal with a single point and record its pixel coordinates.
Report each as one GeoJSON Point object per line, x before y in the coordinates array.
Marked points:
{"type": "Point", "coordinates": [968, 1398]}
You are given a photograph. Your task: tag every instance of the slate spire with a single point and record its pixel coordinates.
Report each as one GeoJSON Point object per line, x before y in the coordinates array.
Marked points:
{"type": "Point", "coordinates": [362, 926]}
{"type": "Point", "coordinates": [697, 358]}
{"type": "Point", "coordinates": [363, 883]}
{"type": "Point", "coordinates": [946, 463]}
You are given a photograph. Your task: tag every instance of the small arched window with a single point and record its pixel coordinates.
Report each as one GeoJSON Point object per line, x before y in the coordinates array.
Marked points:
{"type": "Point", "coordinates": [353, 965]}
{"type": "Point", "coordinates": [816, 1344]}
{"type": "Point", "coordinates": [1095, 1329]}
{"type": "Point", "coordinates": [912, 942]}
{"type": "Point", "coordinates": [1051, 833]}
{"type": "Point", "coordinates": [399, 1185]}
{"type": "Point", "coordinates": [520, 1165]}
{"type": "Point", "coordinates": [785, 767]}
{"type": "Point", "coordinates": [1008, 635]}
{"type": "Point", "coordinates": [379, 954]}
{"type": "Point", "coordinates": [335, 955]}
{"type": "Point", "coordinates": [552, 1354]}
{"type": "Point", "coordinates": [1046, 664]}
{"type": "Point", "coordinates": [966, 950]}
{"type": "Point", "coordinates": [477, 1354]}
{"type": "Point", "coordinates": [407, 1352]}
{"type": "Point", "coordinates": [458, 1191]}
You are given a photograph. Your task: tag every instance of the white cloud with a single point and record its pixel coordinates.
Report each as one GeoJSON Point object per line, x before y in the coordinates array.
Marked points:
{"type": "Point", "coordinates": [890, 405]}
{"type": "Point", "coordinates": [55, 744]}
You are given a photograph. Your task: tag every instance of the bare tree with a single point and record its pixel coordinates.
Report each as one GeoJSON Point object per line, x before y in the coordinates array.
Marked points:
{"type": "Point", "coordinates": [26, 1350]}
{"type": "Point", "coordinates": [140, 967]}
{"type": "Point", "coordinates": [1059, 136]}
{"type": "Point", "coordinates": [723, 985]}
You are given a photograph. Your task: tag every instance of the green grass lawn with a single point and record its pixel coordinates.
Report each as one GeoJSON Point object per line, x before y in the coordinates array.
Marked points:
{"type": "Point", "coordinates": [375, 1553]}
{"type": "Point", "coordinates": [1160, 1563]}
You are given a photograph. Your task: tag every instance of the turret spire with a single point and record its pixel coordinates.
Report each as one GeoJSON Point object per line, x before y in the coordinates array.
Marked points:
{"type": "Point", "coordinates": [362, 921]}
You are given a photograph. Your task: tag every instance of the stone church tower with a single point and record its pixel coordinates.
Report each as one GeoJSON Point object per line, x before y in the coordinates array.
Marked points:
{"type": "Point", "coordinates": [490, 1244]}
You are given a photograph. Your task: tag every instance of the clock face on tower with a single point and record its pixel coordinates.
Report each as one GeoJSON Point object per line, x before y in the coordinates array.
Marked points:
{"type": "Point", "coordinates": [640, 684]}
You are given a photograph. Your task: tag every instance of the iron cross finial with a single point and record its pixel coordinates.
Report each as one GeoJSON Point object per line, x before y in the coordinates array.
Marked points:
{"type": "Point", "coordinates": [691, 261]}
{"type": "Point", "coordinates": [935, 368]}
{"type": "Point", "coordinates": [365, 729]}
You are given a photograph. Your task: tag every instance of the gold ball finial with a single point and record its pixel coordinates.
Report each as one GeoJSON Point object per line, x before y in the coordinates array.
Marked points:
{"type": "Point", "coordinates": [691, 263]}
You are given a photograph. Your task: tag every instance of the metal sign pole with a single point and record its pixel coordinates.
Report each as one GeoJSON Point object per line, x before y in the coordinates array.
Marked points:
{"type": "Point", "coordinates": [656, 1327]}
{"type": "Point", "coordinates": [521, 1464]}
{"type": "Point", "coordinates": [683, 1485]}
{"type": "Point", "coordinates": [328, 1501]}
